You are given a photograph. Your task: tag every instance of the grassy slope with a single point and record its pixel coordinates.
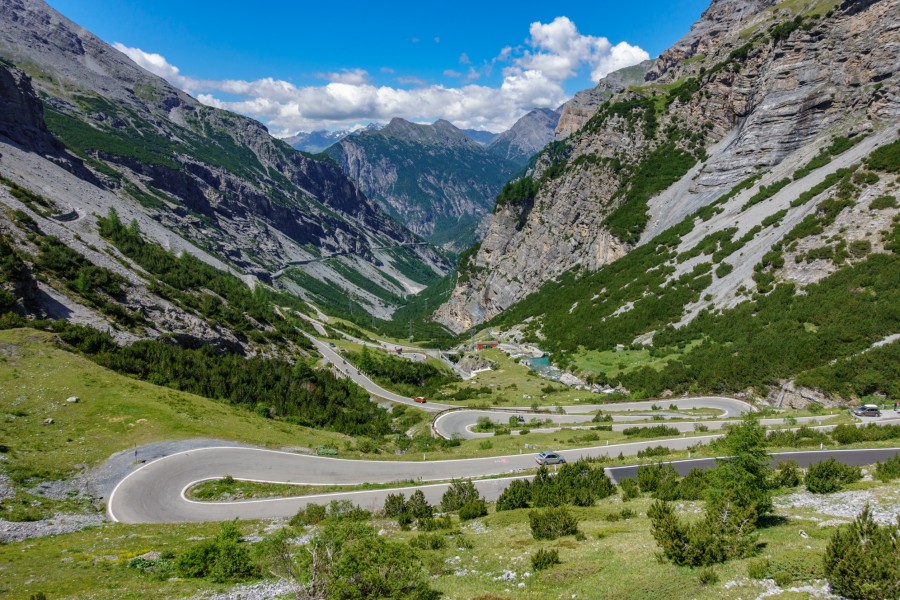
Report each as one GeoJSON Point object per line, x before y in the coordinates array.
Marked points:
{"type": "Point", "coordinates": [616, 560]}
{"type": "Point", "coordinates": [114, 412]}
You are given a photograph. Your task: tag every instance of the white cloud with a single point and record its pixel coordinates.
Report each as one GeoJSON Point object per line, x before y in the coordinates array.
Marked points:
{"type": "Point", "coordinates": [158, 65]}
{"type": "Point", "coordinates": [533, 76]}
{"type": "Point", "coordinates": [353, 76]}
{"type": "Point", "coordinates": [559, 51]}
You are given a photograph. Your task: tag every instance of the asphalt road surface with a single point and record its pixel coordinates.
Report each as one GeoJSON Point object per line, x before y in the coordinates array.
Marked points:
{"type": "Point", "coordinates": [155, 492]}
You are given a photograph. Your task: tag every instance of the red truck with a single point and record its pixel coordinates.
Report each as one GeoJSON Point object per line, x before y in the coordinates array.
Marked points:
{"type": "Point", "coordinates": [419, 399]}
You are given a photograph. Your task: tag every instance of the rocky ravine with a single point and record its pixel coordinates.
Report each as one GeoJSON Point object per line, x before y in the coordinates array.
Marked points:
{"type": "Point", "coordinates": [764, 88]}
{"type": "Point", "coordinates": [433, 178]}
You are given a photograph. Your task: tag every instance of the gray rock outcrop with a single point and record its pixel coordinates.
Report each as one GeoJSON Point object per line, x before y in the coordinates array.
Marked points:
{"type": "Point", "coordinates": [751, 84]}
{"type": "Point", "coordinates": [527, 136]}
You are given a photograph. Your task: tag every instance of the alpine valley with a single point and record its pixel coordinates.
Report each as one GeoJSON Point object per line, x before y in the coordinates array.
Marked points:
{"type": "Point", "coordinates": [641, 344]}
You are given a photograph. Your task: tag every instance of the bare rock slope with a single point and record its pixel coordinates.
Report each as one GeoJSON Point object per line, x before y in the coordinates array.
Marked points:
{"type": "Point", "coordinates": [212, 178]}
{"type": "Point", "coordinates": [755, 88]}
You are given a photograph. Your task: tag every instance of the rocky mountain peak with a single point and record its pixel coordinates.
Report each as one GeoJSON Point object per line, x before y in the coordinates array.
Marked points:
{"type": "Point", "coordinates": [718, 23]}
{"type": "Point", "coordinates": [440, 132]}
{"type": "Point", "coordinates": [527, 136]}
{"type": "Point", "coordinates": [576, 112]}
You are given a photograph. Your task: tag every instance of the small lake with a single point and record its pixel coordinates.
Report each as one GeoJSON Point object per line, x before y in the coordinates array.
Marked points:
{"type": "Point", "coordinates": [541, 361]}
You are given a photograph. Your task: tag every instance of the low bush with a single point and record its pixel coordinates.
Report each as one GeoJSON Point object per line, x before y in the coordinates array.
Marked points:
{"type": "Point", "coordinates": [650, 476]}
{"type": "Point", "coordinates": [850, 434]}
{"type": "Point", "coordinates": [346, 510]}
{"type": "Point", "coordinates": [223, 558]}
{"type": "Point", "coordinates": [622, 515]}
{"type": "Point", "coordinates": [418, 506]}
{"type": "Point", "coordinates": [798, 438]}
{"type": "Point", "coordinates": [544, 559]}
{"type": "Point", "coordinates": [787, 475]}
{"type": "Point", "coordinates": [394, 505]}
{"type": "Point", "coordinates": [758, 568]}
{"type": "Point", "coordinates": [516, 495]}
{"type": "Point", "coordinates": [707, 576]}
{"type": "Point", "coordinates": [862, 560]}
{"type": "Point", "coordinates": [428, 541]}
{"type": "Point", "coordinates": [883, 202]}
{"type": "Point", "coordinates": [650, 432]}
{"type": "Point", "coordinates": [460, 493]}
{"type": "Point", "coordinates": [435, 523]}
{"type": "Point", "coordinates": [630, 489]}
{"type": "Point", "coordinates": [576, 483]}
{"type": "Point", "coordinates": [830, 476]}
{"type": "Point", "coordinates": [472, 510]}
{"type": "Point", "coordinates": [311, 514]}
{"type": "Point", "coordinates": [653, 451]}
{"type": "Point", "coordinates": [889, 469]}
{"type": "Point", "coordinates": [552, 523]}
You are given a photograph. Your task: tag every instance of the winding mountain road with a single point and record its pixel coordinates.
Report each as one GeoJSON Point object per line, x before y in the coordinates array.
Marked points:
{"type": "Point", "coordinates": [155, 492]}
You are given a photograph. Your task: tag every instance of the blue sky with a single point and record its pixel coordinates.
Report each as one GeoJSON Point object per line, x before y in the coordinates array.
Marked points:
{"type": "Point", "coordinates": [302, 65]}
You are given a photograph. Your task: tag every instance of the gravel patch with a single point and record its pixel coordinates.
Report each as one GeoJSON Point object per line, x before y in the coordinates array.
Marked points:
{"type": "Point", "coordinates": [6, 489]}
{"type": "Point", "coordinates": [101, 480]}
{"type": "Point", "coordinates": [13, 531]}
{"type": "Point", "coordinates": [264, 590]}
{"type": "Point", "coordinates": [63, 489]}
{"type": "Point", "coordinates": [841, 504]}
{"type": "Point", "coordinates": [816, 589]}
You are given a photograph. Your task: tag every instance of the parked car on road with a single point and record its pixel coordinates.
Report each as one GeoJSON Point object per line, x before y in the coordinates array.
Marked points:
{"type": "Point", "coordinates": [419, 399]}
{"type": "Point", "coordinates": [549, 458]}
{"type": "Point", "coordinates": [867, 410]}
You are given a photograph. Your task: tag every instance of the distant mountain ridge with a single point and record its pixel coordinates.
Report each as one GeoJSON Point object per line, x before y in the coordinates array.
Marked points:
{"type": "Point", "coordinates": [482, 137]}
{"type": "Point", "coordinates": [315, 142]}
{"type": "Point", "coordinates": [434, 178]}
{"type": "Point", "coordinates": [527, 136]}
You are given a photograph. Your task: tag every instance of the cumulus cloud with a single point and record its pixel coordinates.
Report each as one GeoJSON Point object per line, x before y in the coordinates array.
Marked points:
{"type": "Point", "coordinates": [533, 76]}
{"type": "Point", "coordinates": [158, 65]}
{"type": "Point", "coordinates": [559, 51]}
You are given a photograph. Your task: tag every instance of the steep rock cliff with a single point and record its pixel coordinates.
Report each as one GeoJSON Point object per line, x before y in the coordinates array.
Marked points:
{"type": "Point", "coordinates": [752, 84]}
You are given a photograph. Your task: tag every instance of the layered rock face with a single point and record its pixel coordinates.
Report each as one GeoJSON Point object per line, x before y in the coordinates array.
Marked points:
{"type": "Point", "coordinates": [216, 179]}
{"type": "Point", "coordinates": [433, 178]}
{"type": "Point", "coordinates": [527, 136]}
{"type": "Point", "coordinates": [576, 112]}
{"type": "Point", "coordinates": [752, 82]}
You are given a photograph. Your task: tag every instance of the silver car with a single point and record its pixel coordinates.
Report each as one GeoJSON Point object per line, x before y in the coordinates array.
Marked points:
{"type": "Point", "coordinates": [549, 458]}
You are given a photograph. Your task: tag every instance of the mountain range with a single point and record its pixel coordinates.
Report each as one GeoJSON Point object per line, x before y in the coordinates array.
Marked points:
{"type": "Point", "coordinates": [87, 131]}
{"type": "Point", "coordinates": [749, 166]}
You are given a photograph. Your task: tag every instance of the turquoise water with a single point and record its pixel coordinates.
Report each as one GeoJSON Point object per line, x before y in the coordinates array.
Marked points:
{"type": "Point", "coordinates": [543, 361]}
